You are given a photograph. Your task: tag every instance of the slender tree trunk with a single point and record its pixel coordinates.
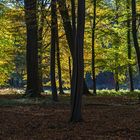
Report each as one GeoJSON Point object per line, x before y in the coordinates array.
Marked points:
{"type": "Point", "coordinates": [67, 24]}
{"type": "Point", "coordinates": [32, 48]}
{"type": "Point", "coordinates": [93, 50]}
{"type": "Point", "coordinates": [74, 50]}
{"type": "Point", "coordinates": [70, 71]}
{"type": "Point", "coordinates": [58, 60]}
{"type": "Point", "coordinates": [69, 33]}
{"type": "Point", "coordinates": [59, 72]}
{"type": "Point", "coordinates": [131, 86]}
{"type": "Point", "coordinates": [134, 31]}
{"type": "Point", "coordinates": [40, 46]}
{"type": "Point", "coordinates": [78, 65]}
{"type": "Point", "coordinates": [53, 49]}
{"type": "Point", "coordinates": [116, 55]}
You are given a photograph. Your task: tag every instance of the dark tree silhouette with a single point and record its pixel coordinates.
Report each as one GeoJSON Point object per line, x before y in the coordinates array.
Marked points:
{"type": "Point", "coordinates": [135, 32]}
{"type": "Point", "coordinates": [40, 43]}
{"type": "Point", "coordinates": [78, 65]}
{"type": "Point", "coordinates": [131, 86]}
{"type": "Point", "coordinates": [93, 50]}
{"type": "Point", "coordinates": [33, 88]}
{"type": "Point", "coordinates": [116, 74]}
{"type": "Point", "coordinates": [53, 49]}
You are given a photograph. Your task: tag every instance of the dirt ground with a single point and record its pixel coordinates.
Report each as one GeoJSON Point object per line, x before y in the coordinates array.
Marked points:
{"type": "Point", "coordinates": [105, 118]}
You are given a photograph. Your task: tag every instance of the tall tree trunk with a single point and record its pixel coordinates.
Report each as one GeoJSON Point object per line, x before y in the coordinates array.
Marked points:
{"type": "Point", "coordinates": [134, 31]}
{"type": "Point", "coordinates": [40, 46]}
{"type": "Point", "coordinates": [78, 65]}
{"type": "Point", "coordinates": [74, 55]}
{"type": "Point", "coordinates": [116, 54]}
{"type": "Point", "coordinates": [131, 86]}
{"type": "Point", "coordinates": [69, 33]}
{"type": "Point", "coordinates": [32, 48]}
{"type": "Point", "coordinates": [58, 60]}
{"type": "Point", "coordinates": [93, 49]}
{"type": "Point", "coordinates": [53, 49]}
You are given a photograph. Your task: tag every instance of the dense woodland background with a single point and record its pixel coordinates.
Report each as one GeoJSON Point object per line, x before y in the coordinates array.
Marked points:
{"type": "Point", "coordinates": [111, 51]}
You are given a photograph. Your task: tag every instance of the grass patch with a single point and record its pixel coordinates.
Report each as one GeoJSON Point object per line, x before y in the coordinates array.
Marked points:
{"type": "Point", "coordinates": [13, 97]}
{"type": "Point", "coordinates": [125, 93]}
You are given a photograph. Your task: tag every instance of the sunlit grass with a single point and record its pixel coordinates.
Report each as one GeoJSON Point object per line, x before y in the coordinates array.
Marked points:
{"type": "Point", "coordinates": [10, 91]}
{"type": "Point", "coordinates": [121, 92]}
{"type": "Point", "coordinates": [103, 92]}
{"type": "Point", "coordinates": [10, 97]}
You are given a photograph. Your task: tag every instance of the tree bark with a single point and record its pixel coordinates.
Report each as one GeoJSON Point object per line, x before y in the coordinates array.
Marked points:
{"type": "Point", "coordinates": [32, 48]}
{"type": "Point", "coordinates": [78, 65]}
{"type": "Point", "coordinates": [93, 49]}
{"type": "Point", "coordinates": [116, 54]}
{"type": "Point", "coordinates": [40, 46]}
{"type": "Point", "coordinates": [53, 49]}
{"type": "Point", "coordinates": [134, 32]}
{"type": "Point", "coordinates": [131, 86]}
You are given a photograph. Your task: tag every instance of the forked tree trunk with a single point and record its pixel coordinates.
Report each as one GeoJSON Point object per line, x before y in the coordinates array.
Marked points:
{"type": "Point", "coordinates": [69, 33]}
{"type": "Point", "coordinates": [33, 89]}
{"type": "Point", "coordinates": [78, 65]}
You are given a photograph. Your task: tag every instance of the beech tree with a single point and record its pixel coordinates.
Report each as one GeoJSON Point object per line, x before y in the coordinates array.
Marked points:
{"type": "Point", "coordinates": [93, 49]}
{"type": "Point", "coordinates": [40, 42]}
{"type": "Point", "coordinates": [131, 86]}
{"type": "Point", "coordinates": [116, 73]}
{"type": "Point", "coordinates": [78, 63]}
{"type": "Point", "coordinates": [53, 49]}
{"type": "Point", "coordinates": [135, 32]}
{"type": "Point", "coordinates": [33, 89]}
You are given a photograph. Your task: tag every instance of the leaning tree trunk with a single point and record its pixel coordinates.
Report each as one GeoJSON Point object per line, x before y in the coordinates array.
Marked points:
{"type": "Point", "coordinates": [78, 65]}
{"type": "Point", "coordinates": [131, 86]}
{"type": "Point", "coordinates": [134, 31]}
{"type": "Point", "coordinates": [93, 49]}
{"type": "Point", "coordinates": [69, 33]}
{"type": "Point", "coordinates": [53, 49]}
{"type": "Point", "coordinates": [32, 48]}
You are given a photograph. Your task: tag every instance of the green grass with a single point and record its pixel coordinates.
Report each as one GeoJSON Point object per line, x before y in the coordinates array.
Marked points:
{"type": "Point", "coordinates": [13, 97]}
{"type": "Point", "coordinates": [121, 92]}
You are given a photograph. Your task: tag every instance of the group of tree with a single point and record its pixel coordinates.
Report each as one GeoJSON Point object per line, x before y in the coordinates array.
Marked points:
{"type": "Point", "coordinates": [62, 39]}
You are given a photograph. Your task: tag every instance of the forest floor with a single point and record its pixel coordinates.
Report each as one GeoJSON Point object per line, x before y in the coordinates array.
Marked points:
{"type": "Point", "coordinates": [104, 118]}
